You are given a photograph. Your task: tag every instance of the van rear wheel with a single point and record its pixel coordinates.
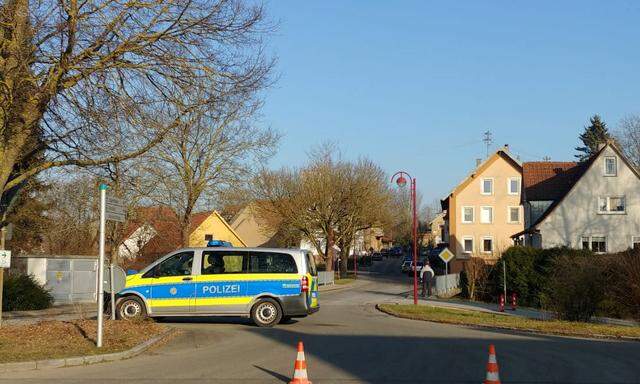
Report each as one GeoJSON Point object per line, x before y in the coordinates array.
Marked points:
{"type": "Point", "coordinates": [266, 313]}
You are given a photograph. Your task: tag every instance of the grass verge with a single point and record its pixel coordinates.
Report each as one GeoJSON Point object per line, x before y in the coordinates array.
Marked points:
{"type": "Point", "coordinates": [61, 339]}
{"type": "Point", "coordinates": [345, 281]}
{"type": "Point", "coordinates": [482, 319]}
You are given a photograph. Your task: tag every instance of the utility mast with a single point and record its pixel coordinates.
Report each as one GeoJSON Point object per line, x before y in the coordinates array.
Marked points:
{"type": "Point", "coordinates": [488, 140]}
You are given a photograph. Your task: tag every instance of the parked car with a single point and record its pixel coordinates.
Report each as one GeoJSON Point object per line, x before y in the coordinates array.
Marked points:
{"type": "Point", "coordinates": [377, 256]}
{"type": "Point", "coordinates": [384, 252]}
{"type": "Point", "coordinates": [410, 269]}
{"type": "Point", "coordinates": [406, 265]}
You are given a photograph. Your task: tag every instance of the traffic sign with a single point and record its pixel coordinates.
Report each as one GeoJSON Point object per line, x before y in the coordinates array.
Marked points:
{"type": "Point", "coordinates": [5, 259]}
{"type": "Point", "coordinates": [119, 279]}
{"type": "Point", "coordinates": [115, 209]}
{"type": "Point", "coordinates": [446, 255]}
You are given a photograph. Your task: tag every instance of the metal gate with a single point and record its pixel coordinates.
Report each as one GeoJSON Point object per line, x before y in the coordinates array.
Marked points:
{"type": "Point", "coordinates": [69, 279]}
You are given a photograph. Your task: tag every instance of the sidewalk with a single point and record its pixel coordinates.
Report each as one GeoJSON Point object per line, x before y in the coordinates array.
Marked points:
{"type": "Point", "coordinates": [58, 312]}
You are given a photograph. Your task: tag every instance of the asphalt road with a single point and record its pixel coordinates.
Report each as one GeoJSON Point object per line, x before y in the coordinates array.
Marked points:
{"type": "Point", "coordinates": [348, 341]}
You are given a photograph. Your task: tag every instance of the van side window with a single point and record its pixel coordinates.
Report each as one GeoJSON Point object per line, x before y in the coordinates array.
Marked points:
{"type": "Point", "coordinates": [271, 262]}
{"type": "Point", "coordinates": [219, 262]}
{"type": "Point", "coordinates": [311, 262]}
{"type": "Point", "coordinates": [177, 265]}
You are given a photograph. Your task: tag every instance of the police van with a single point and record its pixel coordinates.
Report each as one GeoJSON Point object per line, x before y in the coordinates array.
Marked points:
{"type": "Point", "coordinates": [268, 285]}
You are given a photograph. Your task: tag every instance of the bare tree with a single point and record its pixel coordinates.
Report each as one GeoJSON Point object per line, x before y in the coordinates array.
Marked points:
{"type": "Point", "coordinates": [70, 69]}
{"type": "Point", "coordinates": [326, 202]}
{"type": "Point", "coordinates": [213, 149]}
{"type": "Point", "coordinates": [365, 202]}
{"type": "Point", "coordinates": [629, 138]}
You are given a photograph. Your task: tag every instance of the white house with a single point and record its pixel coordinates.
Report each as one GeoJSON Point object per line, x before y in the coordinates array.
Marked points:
{"type": "Point", "coordinates": [594, 204]}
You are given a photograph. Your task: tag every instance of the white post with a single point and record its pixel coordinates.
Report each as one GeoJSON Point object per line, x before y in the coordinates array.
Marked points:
{"type": "Point", "coordinates": [103, 197]}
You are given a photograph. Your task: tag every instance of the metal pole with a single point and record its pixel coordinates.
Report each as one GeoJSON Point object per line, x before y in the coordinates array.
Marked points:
{"type": "Point", "coordinates": [446, 277]}
{"type": "Point", "coordinates": [504, 276]}
{"type": "Point", "coordinates": [113, 292]}
{"type": "Point", "coordinates": [103, 197]}
{"type": "Point", "coordinates": [415, 243]}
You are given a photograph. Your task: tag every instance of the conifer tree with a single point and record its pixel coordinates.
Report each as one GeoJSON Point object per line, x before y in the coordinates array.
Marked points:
{"type": "Point", "coordinates": [594, 135]}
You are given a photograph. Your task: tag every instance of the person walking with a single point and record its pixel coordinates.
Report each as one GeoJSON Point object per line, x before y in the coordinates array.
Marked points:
{"type": "Point", "coordinates": [426, 276]}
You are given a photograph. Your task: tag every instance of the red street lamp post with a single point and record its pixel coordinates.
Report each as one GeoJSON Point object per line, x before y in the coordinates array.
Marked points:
{"type": "Point", "coordinates": [400, 179]}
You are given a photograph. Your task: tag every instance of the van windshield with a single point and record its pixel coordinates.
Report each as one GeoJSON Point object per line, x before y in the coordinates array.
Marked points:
{"type": "Point", "coordinates": [311, 264]}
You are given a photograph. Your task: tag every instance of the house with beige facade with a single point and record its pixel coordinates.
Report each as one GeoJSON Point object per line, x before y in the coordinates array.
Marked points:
{"type": "Point", "coordinates": [593, 205]}
{"type": "Point", "coordinates": [484, 210]}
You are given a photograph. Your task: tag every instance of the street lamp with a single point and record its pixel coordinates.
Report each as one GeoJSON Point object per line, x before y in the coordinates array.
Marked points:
{"type": "Point", "coordinates": [401, 180]}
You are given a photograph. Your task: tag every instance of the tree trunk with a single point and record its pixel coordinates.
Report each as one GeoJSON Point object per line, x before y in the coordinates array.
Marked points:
{"type": "Point", "coordinates": [330, 253]}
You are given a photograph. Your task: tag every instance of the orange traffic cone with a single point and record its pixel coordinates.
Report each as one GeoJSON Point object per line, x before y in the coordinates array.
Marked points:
{"type": "Point", "coordinates": [492, 367]}
{"type": "Point", "coordinates": [300, 368]}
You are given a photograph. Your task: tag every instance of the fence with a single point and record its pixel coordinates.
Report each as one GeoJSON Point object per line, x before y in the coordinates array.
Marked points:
{"type": "Point", "coordinates": [326, 277]}
{"type": "Point", "coordinates": [447, 283]}
{"type": "Point", "coordinates": [70, 279]}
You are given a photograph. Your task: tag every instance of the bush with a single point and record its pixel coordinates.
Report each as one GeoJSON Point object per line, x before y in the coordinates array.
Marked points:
{"type": "Point", "coordinates": [23, 293]}
{"type": "Point", "coordinates": [474, 278]}
{"type": "Point", "coordinates": [528, 273]}
{"type": "Point", "coordinates": [623, 286]}
{"type": "Point", "coordinates": [577, 286]}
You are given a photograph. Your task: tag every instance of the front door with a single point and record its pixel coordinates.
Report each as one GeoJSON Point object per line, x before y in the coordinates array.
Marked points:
{"type": "Point", "coordinates": [173, 285]}
{"type": "Point", "coordinates": [221, 287]}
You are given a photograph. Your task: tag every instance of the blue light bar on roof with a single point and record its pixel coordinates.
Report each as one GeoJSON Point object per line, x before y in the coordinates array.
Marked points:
{"type": "Point", "coordinates": [219, 243]}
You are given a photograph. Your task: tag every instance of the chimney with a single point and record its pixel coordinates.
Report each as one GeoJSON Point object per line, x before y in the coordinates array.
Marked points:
{"type": "Point", "coordinates": [506, 147]}
{"type": "Point", "coordinates": [478, 162]}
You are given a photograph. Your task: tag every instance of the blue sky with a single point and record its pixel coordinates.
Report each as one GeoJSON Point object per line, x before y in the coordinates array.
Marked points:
{"type": "Point", "coordinates": [414, 84]}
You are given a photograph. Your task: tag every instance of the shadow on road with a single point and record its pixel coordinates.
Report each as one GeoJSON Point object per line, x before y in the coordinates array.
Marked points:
{"type": "Point", "coordinates": [452, 359]}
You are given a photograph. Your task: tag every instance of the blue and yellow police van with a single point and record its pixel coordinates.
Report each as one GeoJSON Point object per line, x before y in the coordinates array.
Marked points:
{"type": "Point", "coordinates": [267, 285]}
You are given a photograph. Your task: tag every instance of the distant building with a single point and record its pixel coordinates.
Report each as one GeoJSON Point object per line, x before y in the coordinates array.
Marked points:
{"type": "Point", "coordinates": [155, 231]}
{"type": "Point", "coordinates": [590, 205]}
{"type": "Point", "coordinates": [253, 229]}
{"type": "Point", "coordinates": [484, 210]}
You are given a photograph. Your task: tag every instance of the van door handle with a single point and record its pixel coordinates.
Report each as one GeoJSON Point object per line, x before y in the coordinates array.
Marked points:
{"type": "Point", "coordinates": [187, 279]}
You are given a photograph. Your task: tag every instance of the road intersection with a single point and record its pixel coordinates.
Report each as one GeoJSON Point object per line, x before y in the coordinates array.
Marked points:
{"type": "Point", "coordinates": [350, 341]}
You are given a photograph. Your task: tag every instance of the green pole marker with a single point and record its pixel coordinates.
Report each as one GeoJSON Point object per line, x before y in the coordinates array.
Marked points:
{"type": "Point", "coordinates": [104, 187]}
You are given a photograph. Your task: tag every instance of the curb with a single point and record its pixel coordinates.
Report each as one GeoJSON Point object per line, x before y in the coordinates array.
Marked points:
{"type": "Point", "coordinates": [513, 329]}
{"type": "Point", "coordinates": [85, 360]}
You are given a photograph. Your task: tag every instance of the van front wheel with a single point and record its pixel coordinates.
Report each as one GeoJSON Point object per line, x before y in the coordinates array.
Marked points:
{"type": "Point", "coordinates": [266, 313]}
{"type": "Point", "coordinates": [130, 308]}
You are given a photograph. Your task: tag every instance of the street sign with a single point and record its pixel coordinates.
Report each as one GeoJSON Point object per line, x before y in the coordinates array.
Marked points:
{"type": "Point", "coordinates": [115, 209]}
{"type": "Point", "coordinates": [5, 259]}
{"type": "Point", "coordinates": [446, 255]}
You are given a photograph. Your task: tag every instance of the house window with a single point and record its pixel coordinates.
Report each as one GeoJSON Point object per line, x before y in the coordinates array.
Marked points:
{"type": "Point", "coordinates": [467, 215]}
{"type": "Point", "coordinates": [468, 244]}
{"type": "Point", "coordinates": [487, 186]}
{"type": "Point", "coordinates": [208, 237]}
{"type": "Point", "coordinates": [599, 244]}
{"type": "Point", "coordinates": [514, 215]}
{"type": "Point", "coordinates": [486, 215]}
{"type": "Point", "coordinates": [610, 166]}
{"type": "Point", "coordinates": [635, 242]}
{"type": "Point", "coordinates": [487, 245]}
{"type": "Point", "coordinates": [513, 185]}
{"type": "Point", "coordinates": [611, 204]}
{"type": "Point", "coordinates": [585, 242]}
